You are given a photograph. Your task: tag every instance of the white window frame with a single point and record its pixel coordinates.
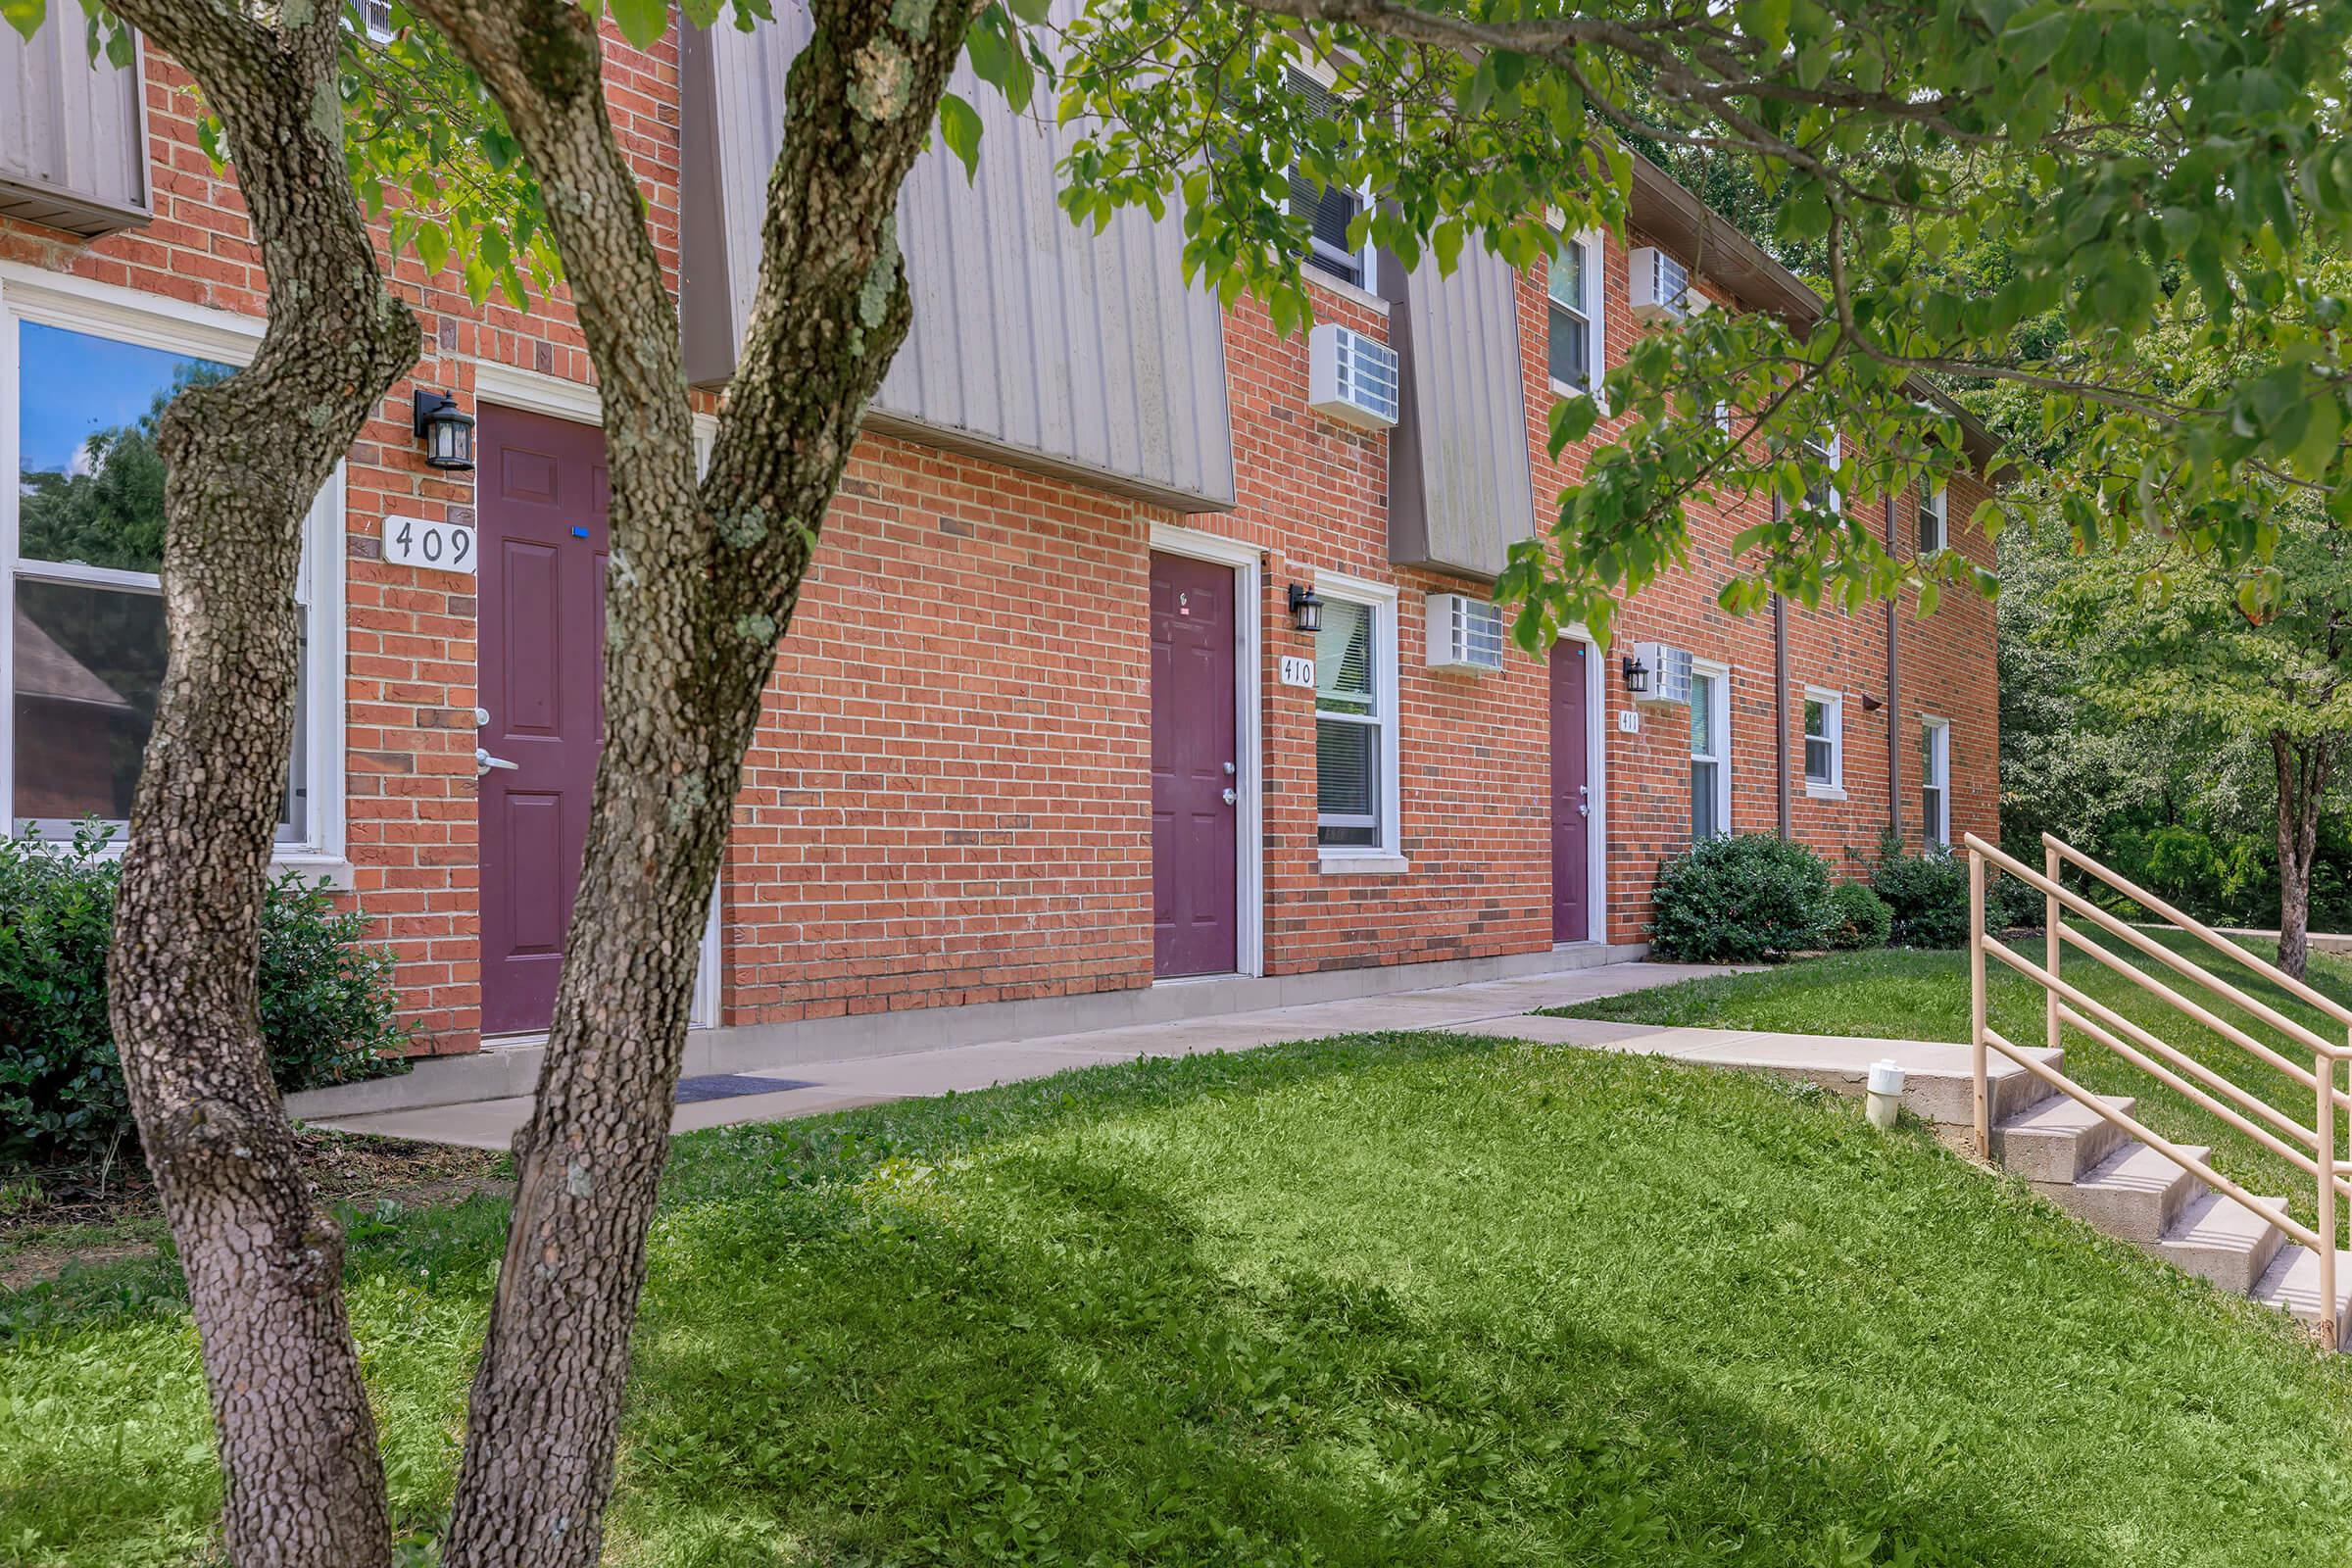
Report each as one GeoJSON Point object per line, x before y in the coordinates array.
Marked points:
{"type": "Point", "coordinates": [1833, 724]}
{"type": "Point", "coordinates": [1936, 775]}
{"type": "Point", "coordinates": [1389, 854]}
{"type": "Point", "coordinates": [1837, 457]}
{"type": "Point", "coordinates": [103, 309]}
{"type": "Point", "coordinates": [1936, 504]}
{"type": "Point", "coordinates": [1594, 307]}
{"type": "Point", "coordinates": [1368, 259]}
{"type": "Point", "coordinates": [1719, 722]}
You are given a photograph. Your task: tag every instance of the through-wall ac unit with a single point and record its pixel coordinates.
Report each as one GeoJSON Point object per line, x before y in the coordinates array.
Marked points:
{"type": "Point", "coordinates": [1664, 673]}
{"type": "Point", "coordinates": [1658, 287]}
{"type": "Point", "coordinates": [1464, 633]}
{"type": "Point", "coordinates": [1352, 377]}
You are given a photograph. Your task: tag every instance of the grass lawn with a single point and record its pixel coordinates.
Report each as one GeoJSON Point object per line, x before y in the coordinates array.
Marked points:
{"type": "Point", "coordinates": [1407, 1300]}
{"type": "Point", "coordinates": [1908, 994]}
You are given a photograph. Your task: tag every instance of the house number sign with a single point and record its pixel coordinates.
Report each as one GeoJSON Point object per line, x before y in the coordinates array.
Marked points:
{"type": "Point", "coordinates": [434, 546]}
{"type": "Point", "coordinates": [1297, 672]}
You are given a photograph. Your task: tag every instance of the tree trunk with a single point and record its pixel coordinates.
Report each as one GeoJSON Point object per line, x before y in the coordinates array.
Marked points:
{"type": "Point", "coordinates": [2302, 763]}
{"type": "Point", "coordinates": [702, 585]}
{"type": "Point", "coordinates": [243, 460]}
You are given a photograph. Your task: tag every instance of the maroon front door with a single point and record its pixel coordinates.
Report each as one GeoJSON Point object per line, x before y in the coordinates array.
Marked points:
{"type": "Point", "coordinates": [543, 497]}
{"type": "Point", "coordinates": [1571, 796]}
{"type": "Point", "coordinates": [1194, 778]}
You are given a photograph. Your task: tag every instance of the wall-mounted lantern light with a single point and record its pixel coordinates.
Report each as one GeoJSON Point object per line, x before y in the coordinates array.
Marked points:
{"type": "Point", "coordinates": [447, 434]}
{"type": "Point", "coordinates": [1636, 675]}
{"type": "Point", "coordinates": [1307, 611]}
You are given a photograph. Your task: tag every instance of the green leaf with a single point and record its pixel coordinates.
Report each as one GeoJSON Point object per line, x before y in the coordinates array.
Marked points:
{"type": "Point", "coordinates": [24, 14]}
{"type": "Point", "coordinates": [959, 128]}
{"type": "Point", "coordinates": [642, 22]}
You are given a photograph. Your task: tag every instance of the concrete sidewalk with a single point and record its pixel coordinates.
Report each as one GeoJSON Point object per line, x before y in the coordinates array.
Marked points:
{"type": "Point", "coordinates": [1498, 1007]}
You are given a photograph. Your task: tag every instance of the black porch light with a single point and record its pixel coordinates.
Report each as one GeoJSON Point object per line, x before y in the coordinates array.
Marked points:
{"type": "Point", "coordinates": [447, 434]}
{"type": "Point", "coordinates": [1307, 611]}
{"type": "Point", "coordinates": [1636, 675]}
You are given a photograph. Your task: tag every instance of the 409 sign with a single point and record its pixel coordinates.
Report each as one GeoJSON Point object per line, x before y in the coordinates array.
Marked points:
{"type": "Point", "coordinates": [434, 546]}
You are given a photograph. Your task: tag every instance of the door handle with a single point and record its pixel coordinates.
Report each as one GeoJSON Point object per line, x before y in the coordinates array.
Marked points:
{"type": "Point", "coordinates": [1581, 811]}
{"type": "Point", "coordinates": [483, 762]}
{"type": "Point", "coordinates": [1232, 798]}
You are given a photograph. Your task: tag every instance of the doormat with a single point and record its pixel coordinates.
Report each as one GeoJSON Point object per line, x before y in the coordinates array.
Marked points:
{"type": "Point", "coordinates": [728, 1085]}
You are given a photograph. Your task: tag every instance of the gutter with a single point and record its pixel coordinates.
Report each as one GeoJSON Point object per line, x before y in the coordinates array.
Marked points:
{"type": "Point", "coordinates": [1894, 701]}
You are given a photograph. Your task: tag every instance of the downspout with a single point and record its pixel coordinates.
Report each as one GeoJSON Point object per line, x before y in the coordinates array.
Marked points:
{"type": "Point", "coordinates": [1894, 701]}
{"type": "Point", "coordinates": [1780, 701]}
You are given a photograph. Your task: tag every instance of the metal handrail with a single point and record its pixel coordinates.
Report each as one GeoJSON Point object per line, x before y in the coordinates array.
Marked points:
{"type": "Point", "coordinates": [2065, 1004]}
{"type": "Point", "coordinates": [2204, 932]}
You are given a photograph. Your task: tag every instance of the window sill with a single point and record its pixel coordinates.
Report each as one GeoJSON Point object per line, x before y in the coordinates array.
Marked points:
{"type": "Point", "coordinates": [335, 870]}
{"type": "Point", "coordinates": [1824, 792]}
{"type": "Point", "coordinates": [1352, 293]}
{"type": "Point", "coordinates": [1561, 389]}
{"type": "Point", "coordinates": [1362, 864]}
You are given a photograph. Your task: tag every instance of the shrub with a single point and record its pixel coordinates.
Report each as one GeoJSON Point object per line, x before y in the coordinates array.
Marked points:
{"type": "Point", "coordinates": [1928, 893]}
{"type": "Point", "coordinates": [327, 1001]}
{"type": "Point", "coordinates": [1741, 900]}
{"type": "Point", "coordinates": [1857, 918]}
{"type": "Point", "coordinates": [2015, 906]}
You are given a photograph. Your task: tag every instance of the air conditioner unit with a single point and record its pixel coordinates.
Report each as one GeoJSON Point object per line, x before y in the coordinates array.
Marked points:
{"type": "Point", "coordinates": [1352, 377]}
{"type": "Point", "coordinates": [1464, 633]}
{"type": "Point", "coordinates": [1659, 673]}
{"type": "Point", "coordinates": [1658, 287]}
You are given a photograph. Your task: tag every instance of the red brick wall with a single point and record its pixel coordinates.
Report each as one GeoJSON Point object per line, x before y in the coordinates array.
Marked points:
{"type": "Point", "coordinates": [950, 799]}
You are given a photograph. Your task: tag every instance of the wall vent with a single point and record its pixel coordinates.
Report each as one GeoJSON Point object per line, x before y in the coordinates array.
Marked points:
{"type": "Point", "coordinates": [1658, 287]}
{"type": "Point", "coordinates": [1352, 377]}
{"type": "Point", "coordinates": [1464, 633]}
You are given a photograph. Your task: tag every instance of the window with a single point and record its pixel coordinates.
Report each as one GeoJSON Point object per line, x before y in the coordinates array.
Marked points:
{"type": "Point", "coordinates": [1710, 753]}
{"type": "Point", "coordinates": [1572, 281]}
{"type": "Point", "coordinates": [81, 547]}
{"type": "Point", "coordinates": [1823, 497]}
{"type": "Point", "coordinates": [377, 17]}
{"type": "Point", "coordinates": [1935, 781]}
{"type": "Point", "coordinates": [1330, 210]}
{"type": "Point", "coordinates": [1932, 513]}
{"type": "Point", "coordinates": [1356, 721]}
{"type": "Point", "coordinates": [1825, 742]}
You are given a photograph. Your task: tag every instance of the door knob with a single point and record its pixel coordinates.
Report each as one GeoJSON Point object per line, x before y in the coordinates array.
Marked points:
{"type": "Point", "coordinates": [483, 762]}
{"type": "Point", "coordinates": [1231, 798]}
{"type": "Point", "coordinates": [1581, 811]}
{"type": "Point", "coordinates": [1229, 771]}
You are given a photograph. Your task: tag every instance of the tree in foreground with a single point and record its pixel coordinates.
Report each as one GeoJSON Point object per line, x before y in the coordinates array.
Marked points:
{"type": "Point", "coordinates": [1889, 133]}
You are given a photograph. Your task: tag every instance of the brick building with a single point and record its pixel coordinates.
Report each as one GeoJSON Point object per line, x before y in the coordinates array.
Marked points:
{"type": "Point", "coordinates": [1045, 746]}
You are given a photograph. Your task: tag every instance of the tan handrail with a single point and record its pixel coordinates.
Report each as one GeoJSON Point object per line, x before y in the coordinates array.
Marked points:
{"type": "Point", "coordinates": [2310, 1148]}
{"type": "Point", "coordinates": [2186, 968]}
{"type": "Point", "coordinates": [2103, 1024]}
{"type": "Point", "coordinates": [2203, 932]}
{"type": "Point", "coordinates": [2156, 1141]}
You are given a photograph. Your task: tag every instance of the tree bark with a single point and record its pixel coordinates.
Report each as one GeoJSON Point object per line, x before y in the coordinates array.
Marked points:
{"type": "Point", "coordinates": [2303, 764]}
{"type": "Point", "coordinates": [703, 583]}
{"type": "Point", "coordinates": [244, 459]}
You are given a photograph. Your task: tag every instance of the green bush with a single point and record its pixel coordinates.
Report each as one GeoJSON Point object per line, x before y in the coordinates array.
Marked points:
{"type": "Point", "coordinates": [1928, 893]}
{"type": "Point", "coordinates": [2015, 906]}
{"type": "Point", "coordinates": [1741, 900]}
{"type": "Point", "coordinates": [1858, 918]}
{"type": "Point", "coordinates": [327, 1001]}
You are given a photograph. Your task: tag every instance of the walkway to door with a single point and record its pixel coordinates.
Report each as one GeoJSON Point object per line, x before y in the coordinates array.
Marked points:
{"type": "Point", "coordinates": [823, 1086]}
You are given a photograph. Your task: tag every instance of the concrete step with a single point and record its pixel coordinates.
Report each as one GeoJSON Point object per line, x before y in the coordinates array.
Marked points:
{"type": "Point", "coordinates": [2218, 1239]}
{"type": "Point", "coordinates": [2135, 1193]}
{"type": "Point", "coordinates": [2291, 1284]}
{"type": "Point", "coordinates": [2059, 1139]}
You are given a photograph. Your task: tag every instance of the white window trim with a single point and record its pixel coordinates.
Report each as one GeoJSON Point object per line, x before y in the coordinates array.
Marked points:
{"type": "Point", "coordinates": [127, 316]}
{"type": "Point", "coordinates": [1833, 719]}
{"type": "Point", "coordinates": [1368, 291]}
{"type": "Point", "coordinates": [1595, 307]}
{"type": "Point", "coordinates": [1939, 775]}
{"type": "Point", "coordinates": [1837, 463]}
{"type": "Point", "coordinates": [1388, 856]}
{"type": "Point", "coordinates": [1719, 718]}
{"type": "Point", "coordinates": [1248, 574]}
{"type": "Point", "coordinates": [1937, 505]}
